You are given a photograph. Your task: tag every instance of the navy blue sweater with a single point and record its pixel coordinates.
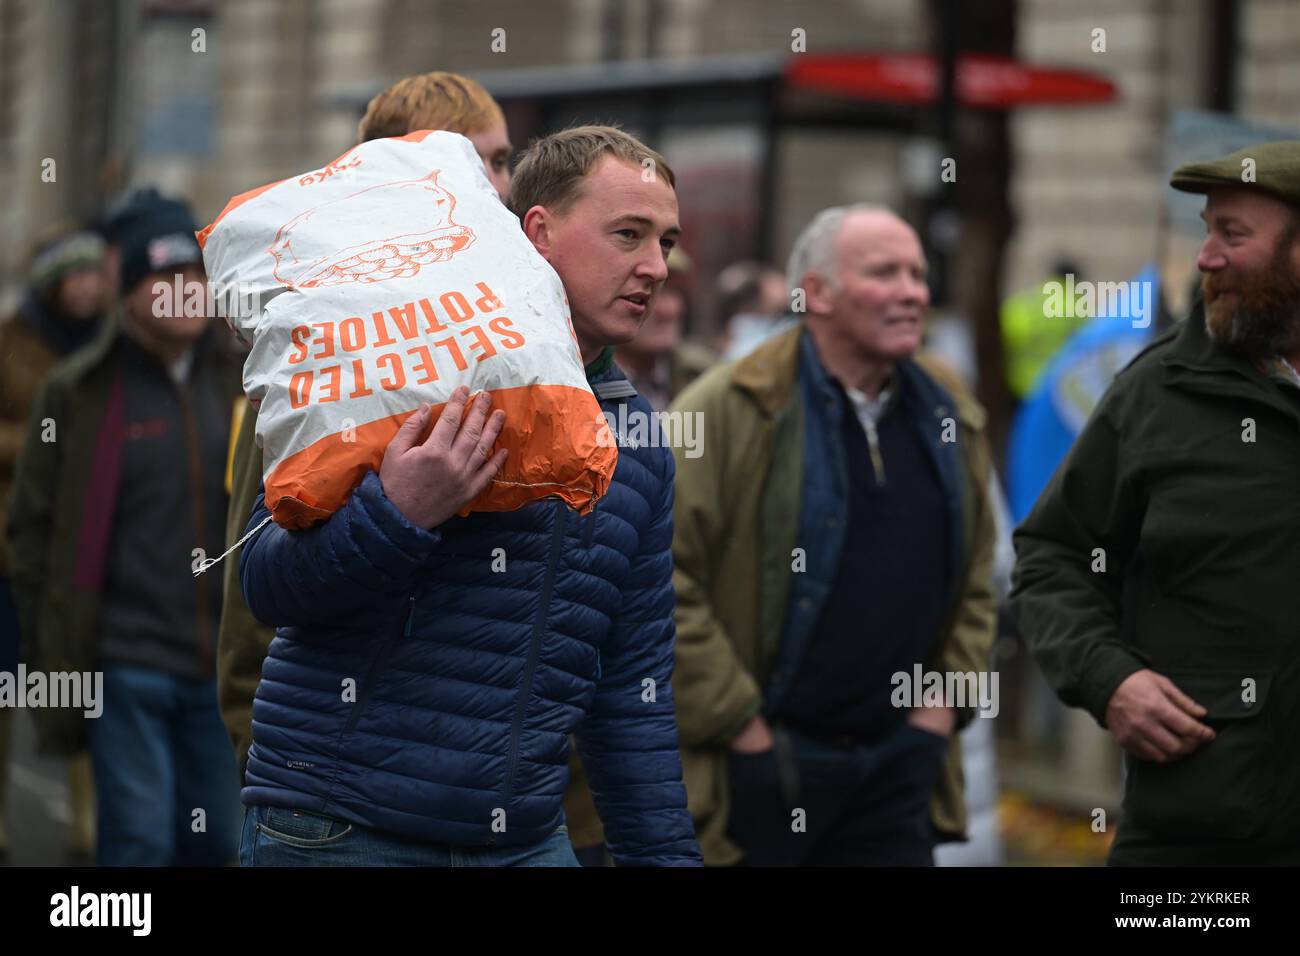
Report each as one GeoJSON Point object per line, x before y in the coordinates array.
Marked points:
{"type": "Point", "coordinates": [882, 614]}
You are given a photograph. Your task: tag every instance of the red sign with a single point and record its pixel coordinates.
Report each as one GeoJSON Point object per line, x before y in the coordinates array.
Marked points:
{"type": "Point", "coordinates": [983, 81]}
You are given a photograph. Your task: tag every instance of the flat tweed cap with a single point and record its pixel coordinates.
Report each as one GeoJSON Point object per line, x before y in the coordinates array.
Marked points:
{"type": "Point", "coordinates": [1275, 170]}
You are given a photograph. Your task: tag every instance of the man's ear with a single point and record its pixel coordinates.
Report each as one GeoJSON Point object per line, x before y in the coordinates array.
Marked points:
{"type": "Point", "coordinates": [539, 228]}
{"type": "Point", "coordinates": [817, 293]}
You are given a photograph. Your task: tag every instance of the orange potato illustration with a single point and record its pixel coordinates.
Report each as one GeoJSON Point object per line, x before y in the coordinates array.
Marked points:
{"type": "Point", "coordinates": [376, 260]}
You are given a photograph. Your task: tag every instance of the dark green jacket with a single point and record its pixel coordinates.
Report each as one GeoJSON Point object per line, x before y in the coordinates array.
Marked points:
{"type": "Point", "coordinates": [1169, 538]}
{"type": "Point", "coordinates": [61, 516]}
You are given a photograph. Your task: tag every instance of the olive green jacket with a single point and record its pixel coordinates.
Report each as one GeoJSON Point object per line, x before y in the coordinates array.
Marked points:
{"type": "Point", "coordinates": [25, 360]}
{"type": "Point", "coordinates": [735, 525]}
{"type": "Point", "coordinates": [1169, 538]}
{"type": "Point", "coordinates": [242, 640]}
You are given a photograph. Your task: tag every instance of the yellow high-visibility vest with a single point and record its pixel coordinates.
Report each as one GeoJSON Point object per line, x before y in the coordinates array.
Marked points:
{"type": "Point", "coordinates": [1031, 336]}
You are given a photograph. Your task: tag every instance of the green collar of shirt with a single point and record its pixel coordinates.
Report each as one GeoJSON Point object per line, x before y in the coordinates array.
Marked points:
{"type": "Point", "coordinates": [601, 363]}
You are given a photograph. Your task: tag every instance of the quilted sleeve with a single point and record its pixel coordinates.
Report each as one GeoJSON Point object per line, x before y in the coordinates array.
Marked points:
{"type": "Point", "coordinates": [339, 573]}
{"type": "Point", "coordinates": [628, 741]}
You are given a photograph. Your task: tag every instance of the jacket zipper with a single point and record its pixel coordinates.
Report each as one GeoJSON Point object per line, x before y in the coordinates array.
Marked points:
{"type": "Point", "coordinates": [873, 442]}
{"type": "Point", "coordinates": [372, 672]}
{"type": "Point", "coordinates": [534, 651]}
{"type": "Point", "coordinates": [589, 532]}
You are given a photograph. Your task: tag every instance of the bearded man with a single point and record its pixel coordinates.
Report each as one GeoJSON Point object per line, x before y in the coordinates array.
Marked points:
{"type": "Point", "coordinates": [1158, 576]}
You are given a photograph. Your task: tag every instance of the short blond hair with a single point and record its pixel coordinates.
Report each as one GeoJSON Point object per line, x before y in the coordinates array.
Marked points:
{"type": "Point", "coordinates": [551, 169]}
{"type": "Point", "coordinates": [437, 101]}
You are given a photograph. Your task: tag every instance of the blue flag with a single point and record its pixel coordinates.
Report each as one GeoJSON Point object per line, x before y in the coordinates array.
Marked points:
{"type": "Point", "coordinates": [1072, 384]}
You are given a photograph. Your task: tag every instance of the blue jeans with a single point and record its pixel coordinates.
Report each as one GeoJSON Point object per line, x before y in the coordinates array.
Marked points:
{"type": "Point", "coordinates": [160, 754]}
{"type": "Point", "coordinates": [274, 836]}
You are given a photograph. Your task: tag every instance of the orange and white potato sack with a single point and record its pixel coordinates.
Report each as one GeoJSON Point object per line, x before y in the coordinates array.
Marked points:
{"type": "Point", "coordinates": [385, 280]}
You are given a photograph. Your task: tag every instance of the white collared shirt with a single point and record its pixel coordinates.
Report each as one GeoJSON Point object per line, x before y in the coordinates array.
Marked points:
{"type": "Point", "coordinates": [180, 369]}
{"type": "Point", "coordinates": [869, 412]}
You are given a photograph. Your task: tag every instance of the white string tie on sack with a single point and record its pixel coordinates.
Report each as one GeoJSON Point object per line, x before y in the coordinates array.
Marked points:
{"type": "Point", "coordinates": [209, 562]}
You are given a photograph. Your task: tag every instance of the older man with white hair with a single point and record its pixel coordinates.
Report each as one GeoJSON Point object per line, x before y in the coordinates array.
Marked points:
{"type": "Point", "coordinates": [835, 534]}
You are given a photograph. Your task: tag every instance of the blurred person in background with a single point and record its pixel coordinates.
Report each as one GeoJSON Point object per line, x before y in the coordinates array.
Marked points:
{"type": "Point", "coordinates": [62, 311]}
{"type": "Point", "coordinates": [832, 538]}
{"type": "Point", "coordinates": [437, 101]}
{"type": "Point", "coordinates": [660, 362]}
{"type": "Point", "coordinates": [751, 304]}
{"type": "Point", "coordinates": [108, 516]}
{"type": "Point", "coordinates": [1156, 582]}
{"type": "Point", "coordinates": [1031, 335]}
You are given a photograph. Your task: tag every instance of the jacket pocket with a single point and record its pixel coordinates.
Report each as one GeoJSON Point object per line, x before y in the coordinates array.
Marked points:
{"type": "Point", "coordinates": [1220, 790]}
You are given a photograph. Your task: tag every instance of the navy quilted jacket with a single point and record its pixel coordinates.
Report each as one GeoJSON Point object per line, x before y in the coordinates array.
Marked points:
{"type": "Point", "coordinates": [475, 650]}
